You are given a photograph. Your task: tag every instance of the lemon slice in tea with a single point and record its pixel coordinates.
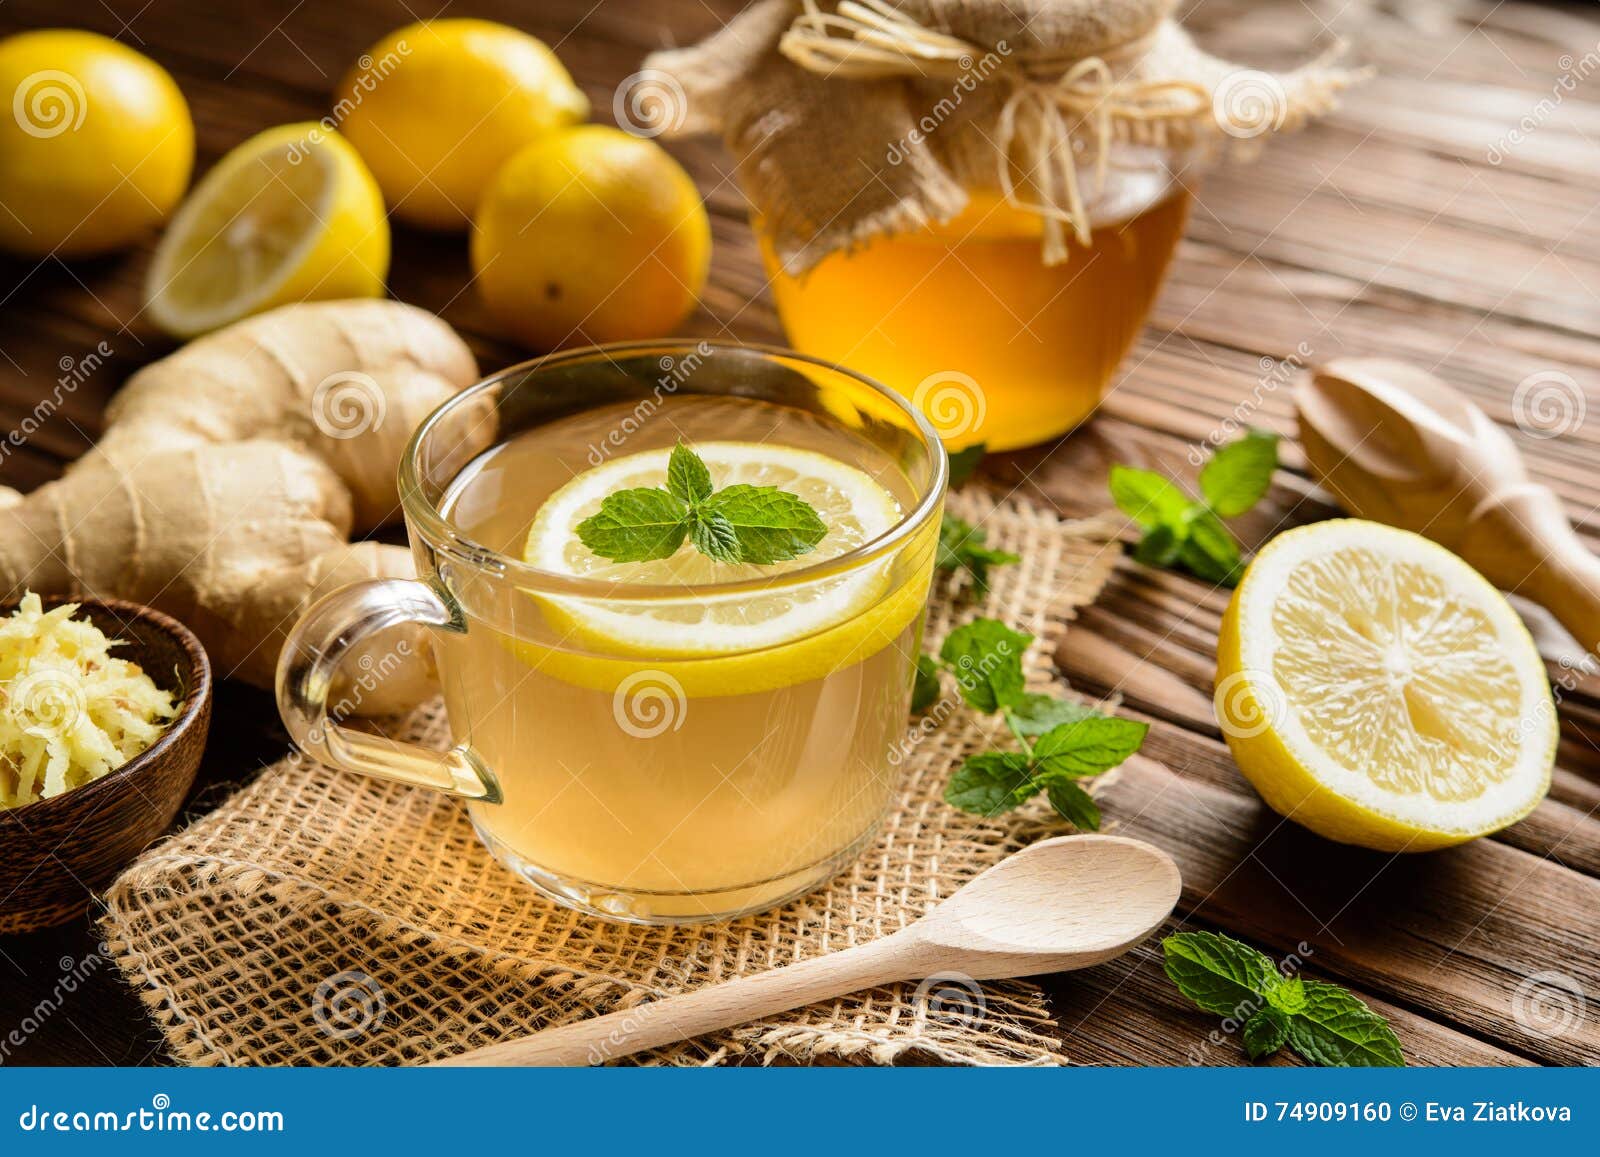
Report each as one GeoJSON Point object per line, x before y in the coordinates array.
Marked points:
{"type": "Point", "coordinates": [855, 508]}
{"type": "Point", "coordinates": [1378, 690]}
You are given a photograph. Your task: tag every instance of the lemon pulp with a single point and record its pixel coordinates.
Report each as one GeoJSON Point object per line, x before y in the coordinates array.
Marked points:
{"type": "Point", "coordinates": [1375, 688]}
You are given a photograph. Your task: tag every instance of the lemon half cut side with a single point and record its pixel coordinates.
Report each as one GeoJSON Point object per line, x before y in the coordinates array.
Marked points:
{"type": "Point", "coordinates": [1375, 688]}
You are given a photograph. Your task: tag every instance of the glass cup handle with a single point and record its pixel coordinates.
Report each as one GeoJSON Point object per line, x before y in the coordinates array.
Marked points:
{"type": "Point", "coordinates": [334, 627]}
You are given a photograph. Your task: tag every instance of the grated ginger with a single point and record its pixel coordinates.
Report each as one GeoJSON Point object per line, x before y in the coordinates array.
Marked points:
{"type": "Point", "coordinates": [69, 712]}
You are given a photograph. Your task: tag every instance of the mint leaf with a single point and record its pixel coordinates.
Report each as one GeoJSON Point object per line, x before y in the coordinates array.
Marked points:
{"type": "Point", "coordinates": [687, 476]}
{"type": "Point", "coordinates": [1034, 714]}
{"type": "Point", "coordinates": [991, 783]}
{"type": "Point", "coordinates": [636, 526]}
{"type": "Point", "coordinates": [714, 536]}
{"type": "Point", "coordinates": [1211, 552]}
{"type": "Point", "coordinates": [1219, 974]}
{"type": "Point", "coordinates": [1335, 1028]}
{"type": "Point", "coordinates": [986, 657]}
{"type": "Point", "coordinates": [1147, 498]}
{"type": "Point", "coordinates": [1239, 473]}
{"type": "Point", "coordinates": [1087, 747]}
{"type": "Point", "coordinates": [964, 462]}
{"type": "Point", "coordinates": [1073, 804]}
{"type": "Point", "coordinates": [925, 689]}
{"type": "Point", "coordinates": [961, 547]}
{"type": "Point", "coordinates": [1160, 546]}
{"type": "Point", "coordinates": [1265, 1032]}
{"type": "Point", "coordinates": [771, 525]}
{"type": "Point", "coordinates": [1288, 995]}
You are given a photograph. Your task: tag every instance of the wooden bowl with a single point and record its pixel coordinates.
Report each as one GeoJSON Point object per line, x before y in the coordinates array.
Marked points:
{"type": "Point", "coordinates": [55, 852]}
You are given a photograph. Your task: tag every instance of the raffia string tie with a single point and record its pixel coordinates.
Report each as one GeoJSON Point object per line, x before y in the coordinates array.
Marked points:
{"type": "Point", "coordinates": [1053, 101]}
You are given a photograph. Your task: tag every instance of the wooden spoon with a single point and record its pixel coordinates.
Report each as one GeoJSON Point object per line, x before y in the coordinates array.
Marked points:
{"type": "Point", "coordinates": [1060, 904]}
{"type": "Point", "coordinates": [1396, 444]}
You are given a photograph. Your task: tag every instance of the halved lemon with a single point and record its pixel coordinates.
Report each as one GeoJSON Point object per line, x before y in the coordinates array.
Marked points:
{"type": "Point", "coordinates": [1378, 690]}
{"type": "Point", "coordinates": [725, 643]}
{"type": "Point", "coordinates": [290, 215]}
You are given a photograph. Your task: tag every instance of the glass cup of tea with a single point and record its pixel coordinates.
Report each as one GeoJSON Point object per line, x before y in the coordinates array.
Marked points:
{"type": "Point", "coordinates": [683, 738]}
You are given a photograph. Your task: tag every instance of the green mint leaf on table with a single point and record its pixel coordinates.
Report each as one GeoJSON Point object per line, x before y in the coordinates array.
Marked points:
{"type": "Point", "coordinates": [1238, 474]}
{"type": "Point", "coordinates": [962, 547]}
{"type": "Point", "coordinates": [1073, 804]}
{"type": "Point", "coordinates": [1034, 714]}
{"type": "Point", "coordinates": [1219, 974]}
{"type": "Point", "coordinates": [1181, 532]}
{"type": "Point", "coordinates": [1325, 1024]}
{"type": "Point", "coordinates": [1336, 1028]}
{"type": "Point", "coordinates": [985, 656]}
{"type": "Point", "coordinates": [1087, 747]}
{"type": "Point", "coordinates": [964, 462]}
{"type": "Point", "coordinates": [636, 526]}
{"type": "Point", "coordinates": [991, 783]}
{"type": "Point", "coordinates": [1265, 1033]}
{"type": "Point", "coordinates": [740, 523]}
{"type": "Point", "coordinates": [687, 476]}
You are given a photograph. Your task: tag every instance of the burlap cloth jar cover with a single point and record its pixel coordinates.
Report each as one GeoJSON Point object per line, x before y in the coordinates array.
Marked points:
{"type": "Point", "coordinates": [324, 918]}
{"type": "Point", "coordinates": [859, 119]}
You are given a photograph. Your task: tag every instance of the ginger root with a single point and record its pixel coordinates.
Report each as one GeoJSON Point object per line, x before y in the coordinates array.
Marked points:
{"type": "Point", "coordinates": [232, 474]}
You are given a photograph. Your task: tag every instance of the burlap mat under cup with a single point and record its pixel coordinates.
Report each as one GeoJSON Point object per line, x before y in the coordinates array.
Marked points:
{"type": "Point", "coordinates": [325, 918]}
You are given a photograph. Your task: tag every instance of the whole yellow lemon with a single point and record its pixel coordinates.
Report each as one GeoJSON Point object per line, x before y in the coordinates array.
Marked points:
{"type": "Point", "coordinates": [98, 147]}
{"type": "Point", "coordinates": [435, 109]}
{"type": "Point", "coordinates": [591, 235]}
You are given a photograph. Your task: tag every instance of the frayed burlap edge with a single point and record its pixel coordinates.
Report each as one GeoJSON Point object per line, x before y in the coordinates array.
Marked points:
{"type": "Point", "coordinates": [319, 918]}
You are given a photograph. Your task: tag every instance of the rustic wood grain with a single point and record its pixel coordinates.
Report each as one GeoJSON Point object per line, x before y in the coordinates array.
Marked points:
{"type": "Point", "coordinates": [1386, 230]}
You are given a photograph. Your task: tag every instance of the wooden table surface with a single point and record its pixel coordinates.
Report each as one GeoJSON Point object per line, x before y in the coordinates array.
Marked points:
{"type": "Point", "coordinates": [1447, 214]}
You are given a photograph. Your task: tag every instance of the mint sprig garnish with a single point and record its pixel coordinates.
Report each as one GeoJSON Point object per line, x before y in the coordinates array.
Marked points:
{"type": "Point", "coordinates": [1059, 743]}
{"type": "Point", "coordinates": [962, 546]}
{"type": "Point", "coordinates": [1181, 532]}
{"type": "Point", "coordinates": [737, 524]}
{"type": "Point", "coordinates": [1326, 1024]}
